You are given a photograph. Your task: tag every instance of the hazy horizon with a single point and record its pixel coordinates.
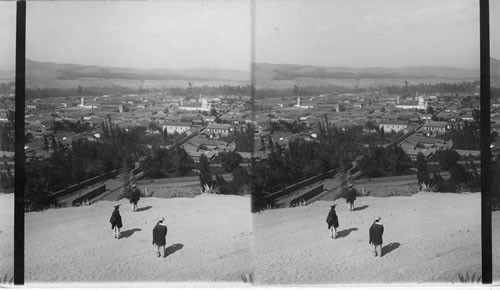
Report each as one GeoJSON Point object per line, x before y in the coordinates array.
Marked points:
{"type": "Point", "coordinates": [367, 33]}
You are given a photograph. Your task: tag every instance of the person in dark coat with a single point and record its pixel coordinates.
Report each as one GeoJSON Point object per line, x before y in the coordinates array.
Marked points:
{"type": "Point", "coordinates": [159, 235]}
{"type": "Point", "coordinates": [116, 222]}
{"type": "Point", "coordinates": [333, 222]}
{"type": "Point", "coordinates": [376, 232]}
{"type": "Point", "coordinates": [351, 197]}
{"type": "Point", "coordinates": [135, 197]}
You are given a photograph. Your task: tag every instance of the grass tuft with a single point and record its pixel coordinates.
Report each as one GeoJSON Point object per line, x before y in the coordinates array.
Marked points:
{"type": "Point", "coordinates": [247, 278]}
{"type": "Point", "coordinates": [427, 187]}
{"type": "Point", "coordinates": [6, 279]}
{"type": "Point", "coordinates": [469, 278]}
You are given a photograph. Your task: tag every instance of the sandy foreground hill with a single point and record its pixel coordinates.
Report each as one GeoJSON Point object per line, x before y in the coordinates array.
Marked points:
{"type": "Point", "coordinates": [429, 237]}
{"type": "Point", "coordinates": [208, 239]}
{"type": "Point", "coordinates": [7, 235]}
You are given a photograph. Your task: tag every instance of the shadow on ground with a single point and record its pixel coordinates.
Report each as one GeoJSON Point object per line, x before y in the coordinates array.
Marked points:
{"type": "Point", "coordinates": [360, 208]}
{"type": "Point", "coordinates": [345, 233]}
{"type": "Point", "coordinates": [389, 248]}
{"type": "Point", "coordinates": [128, 233]}
{"type": "Point", "coordinates": [144, 208]}
{"type": "Point", "coordinates": [172, 249]}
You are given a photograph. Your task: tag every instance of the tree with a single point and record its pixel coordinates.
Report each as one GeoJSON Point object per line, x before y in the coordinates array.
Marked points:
{"type": "Point", "coordinates": [447, 158]}
{"type": "Point", "coordinates": [45, 143]}
{"type": "Point", "coordinates": [164, 136]}
{"type": "Point", "coordinates": [369, 125]}
{"type": "Point", "coordinates": [152, 126]}
{"type": "Point", "coordinates": [7, 134]}
{"type": "Point", "coordinates": [240, 176]}
{"type": "Point", "coordinates": [184, 163]}
{"type": "Point", "coordinates": [422, 170]}
{"type": "Point", "coordinates": [230, 160]}
{"type": "Point", "coordinates": [205, 174]}
{"type": "Point", "coordinates": [382, 134]}
{"type": "Point", "coordinates": [213, 112]}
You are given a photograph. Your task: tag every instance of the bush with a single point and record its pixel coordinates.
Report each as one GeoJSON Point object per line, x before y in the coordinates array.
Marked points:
{"type": "Point", "coordinates": [230, 160]}
{"type": "Point", "coordinates": [447, 158]}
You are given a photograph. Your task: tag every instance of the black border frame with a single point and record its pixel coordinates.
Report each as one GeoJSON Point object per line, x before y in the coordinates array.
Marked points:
{"type": "Point", "coordinates": [20, 170]}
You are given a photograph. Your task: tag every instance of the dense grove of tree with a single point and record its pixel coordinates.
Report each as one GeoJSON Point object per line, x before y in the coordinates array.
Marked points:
{"type": "Point", "coordinates": [224, 90]}
{"type": "Point", "coordinates": [162, 139]}
{"type": "Point", "coordinates": [462, 177]}
{"type": "Point", "coordinates": [334, 148]}
{"type": "Point", "coordinates": [466, 137]}
{"type": "Point", "coordinates": [45, 93]}
{"type": "Point", "coordinates": [239, 185]}
{"type": "Point", "coordinates": [229, 160]}
{"type": "Point", "coordinates": [172, 162]}
{"type": "Point", "coordinates": [385, 161]}
{"type": "Point", "coordinates": [243, 139]}
{"type": "Point", "coordinates": [65, 125]}
{"type": "Point", "coordinates": [294, 127]}
{"type": "Point", "coordinates": [83, 159]}
{"type": "Point", "coordinates": [462, 87]}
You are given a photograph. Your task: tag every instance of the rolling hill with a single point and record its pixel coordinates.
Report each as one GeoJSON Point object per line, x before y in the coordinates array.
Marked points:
{"type": "Point", "coordinates": [275, 74]}
{"type": "Point", "coordinates": [47, 74]}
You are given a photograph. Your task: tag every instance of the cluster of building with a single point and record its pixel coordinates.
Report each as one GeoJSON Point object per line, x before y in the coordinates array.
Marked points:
{"type": "Point", "coordinates": [208, 117]}
{"type": "Point", "coordinates": [422, 120]}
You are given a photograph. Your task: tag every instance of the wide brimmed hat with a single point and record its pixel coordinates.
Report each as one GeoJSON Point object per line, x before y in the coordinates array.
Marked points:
{"type": "Point", "coordinates": [161, 219]}
{"type": "Point", "coordinates": [333, 205]}
{"type": "Point", "coordinates": [377, 218]}
{"type": "Point", "coordinates": [117, 206]}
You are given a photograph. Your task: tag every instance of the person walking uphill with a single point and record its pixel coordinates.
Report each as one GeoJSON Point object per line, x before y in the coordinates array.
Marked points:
{"type": "Point", "coordinates": [116, 222]}
{"type": "Point", "coordinates": [376, 232]}
{"type": "Point", "coordinates": [159, 234]}
{"type": "Point", "coordinates": [333, 222]}
{"type": "Point", "coordinates": [135, 197]}
{"type": "Point", "coordinates": [351, 197]}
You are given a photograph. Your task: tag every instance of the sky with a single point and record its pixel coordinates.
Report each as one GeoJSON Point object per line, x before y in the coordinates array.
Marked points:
{"type": "Point", "coordinates": [175, 34]}
{"type": "Point", "coordinates": [7, 35]}
{"type": "Point", "coordinates": [367, 33]}
{"type": "Point", "coordinates": [495, 29]}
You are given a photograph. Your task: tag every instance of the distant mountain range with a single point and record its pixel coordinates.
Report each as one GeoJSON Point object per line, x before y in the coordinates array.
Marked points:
{"type": "Point", "coordinates": [290, 71]}
{"type": "Point", "coordinates": [267, 73]}
{"type": "Point", "coordinates": [47, 74]}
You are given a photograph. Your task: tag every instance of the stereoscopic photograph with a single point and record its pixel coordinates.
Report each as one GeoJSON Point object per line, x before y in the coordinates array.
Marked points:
{"type": "Point", "coordinates": [369, 151]}
{"type": "Point", "coordinates": [249, 143]}
{"type": "Point", "coordinates": [7, 68]}
{"type": "Point", "coordinates": [137, 150]}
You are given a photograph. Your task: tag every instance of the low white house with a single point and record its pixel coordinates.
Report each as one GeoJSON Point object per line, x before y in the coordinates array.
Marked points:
{"type": "Point", "coordinates": [179, 127]}
{"type": "Point", "coordinates": [389, 126]}
{"type": "Point", "coordinates": [221, 129]}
